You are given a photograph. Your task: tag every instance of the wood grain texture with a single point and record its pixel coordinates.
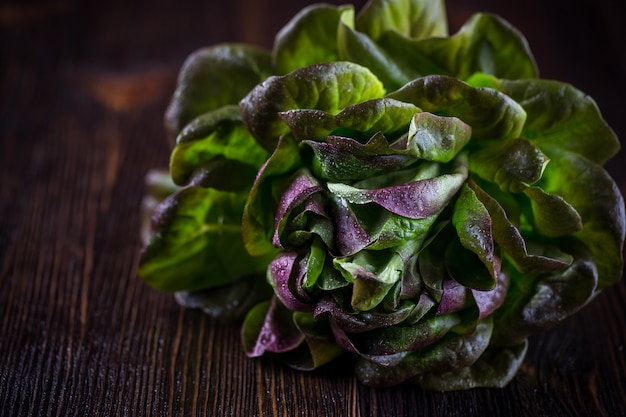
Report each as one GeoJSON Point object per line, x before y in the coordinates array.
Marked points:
{"type": "Point", "coordinates": [83, 89]}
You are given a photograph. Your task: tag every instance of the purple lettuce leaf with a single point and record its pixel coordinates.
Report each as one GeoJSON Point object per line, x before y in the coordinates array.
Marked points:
{"type": "Point", "coordinates": [301, 190]}
{"type": "Point", "coordinates": [363, 321]}
{"type": "Point", "coordinates": [287, 273]}
{"type": "Point", "coordinates": [269, 327]}
{"type": "Point", "coordinates": [295, 338]}
{"type": "Point", "coordinates": [416, 199]}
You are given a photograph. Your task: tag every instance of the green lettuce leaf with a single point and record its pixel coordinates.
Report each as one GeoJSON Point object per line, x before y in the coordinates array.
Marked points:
{"type": "Point", "coordinates": [525, 257]}
{"type": "Point", "coordinates": [558, 116]}
{"type": "Point", "coordinates": [412, 18]}
{"type": "Point", "coordinates": [229, 303]}
{"type": "Point", "coordinates": [359, 48]}
{"type": "Point", "coordinates": [435, 138]}
{"type": "Point", "coordinates": [310, 37]}
{"type": "Point", "coordinates": [362, 120]}
{"type": "Point", "coordinates": [329, 87]}
{"type": "Point", "coordinates": [373, 274]}
{"type": "Point", "coordinates": [491, 114]}
{"type": "Point", "coordinates": [486, 43]}
{"type": "Point", "coordinates": [472, 222]}
{"type": "Point", "coordinates": [535, 305]}
{"type": "Point", "coordinates": [513, 164]}
{"type": "Point", "coordinates": [495, 368]}
{"type": "Point", "coordinates": [552, 215]}
{"type": "Point", "coordinates": [591, 191]}
{"type": "Point", "coordinates": [207, 142]}
{"type": "Point", "coordinates": [450, 353]}
{"type": "Point", "coordinates": [213, 77]}
{"type": "Point", "coordinates": [343, 159]}
{"type": "Point", "coordinates": [197, 234]}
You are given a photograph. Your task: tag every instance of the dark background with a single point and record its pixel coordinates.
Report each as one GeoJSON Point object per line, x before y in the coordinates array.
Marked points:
{"type": "Point", "coordinates": [83, 88]}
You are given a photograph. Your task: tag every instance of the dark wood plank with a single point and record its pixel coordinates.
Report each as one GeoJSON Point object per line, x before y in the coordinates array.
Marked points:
{"type": "Point", "coordinates": [83, 89]}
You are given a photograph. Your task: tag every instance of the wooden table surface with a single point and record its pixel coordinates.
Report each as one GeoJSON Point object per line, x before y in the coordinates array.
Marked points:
{"type": "Point", "coordinates": [83, 87]}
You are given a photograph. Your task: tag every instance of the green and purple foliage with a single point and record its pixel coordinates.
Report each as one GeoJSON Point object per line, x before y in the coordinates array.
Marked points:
{"type": "Point", "coordinates": [374, 186]}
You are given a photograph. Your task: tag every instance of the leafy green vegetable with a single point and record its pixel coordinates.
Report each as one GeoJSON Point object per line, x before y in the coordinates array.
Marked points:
{"type": "Point", "coordinates": [377, 187]}
{"type": "Point", "coordinates": [310, 37]}
{"type": "Point", "coordinates": [213, 77]}
{"type": "Point", "coordinates": [423, 19]}
{"type": "Point", "coordinates": [196, 235]}
{"type": "Point", "coordinates": [208, 141]}
{"type": "Point", "coordinates": [322, 87]}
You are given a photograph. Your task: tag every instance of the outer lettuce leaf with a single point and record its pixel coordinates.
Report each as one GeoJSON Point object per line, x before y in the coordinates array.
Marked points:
{"type": "Point", "coordinates": [229, 303]}
{"type": "Point", "coordinates": [559, 116]}
{"type": "Point", "coordinates": [197, 234]}
{"type": "Point", "coordinates": [213, 77]}
{"type": "Point", "coordinates": [486, 44]}
{"type": "Point", "coordinates": [412, 18]}
{"type": "Point", "coordinates": [536, 305]}
{"type": "Point", "coordinates": [494, 369]}
{"type": "Point", "coordinates": [310, 37]}
{"type": "Point", "coordinates": [552, 215]}
{"type": "Point", "coordinates": [299, 341]}
{"type": "Point", "coordinates": [594, 195]}
{"type": "Point", "coordinates": [328, 87]}
{"type": "Point", "coordinates": [210, 139]}
{"type": "Point", "coordinates": [453, 352]}
{"type": "Point", "coordinates": [568, 127]}
{"type": "Point", "coordinates": [159, 186]}
{"type": "Point", "coordinates": [357, 47]}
